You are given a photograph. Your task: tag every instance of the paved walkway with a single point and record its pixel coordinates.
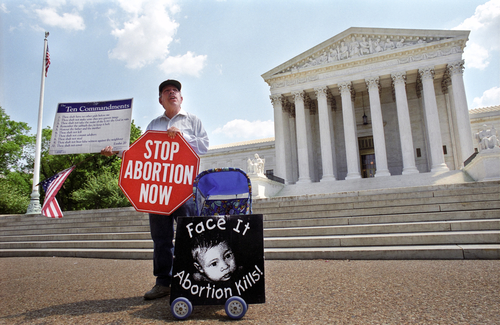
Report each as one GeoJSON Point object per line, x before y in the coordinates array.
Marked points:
{"type": "Point", "coordinates": [97, 291]}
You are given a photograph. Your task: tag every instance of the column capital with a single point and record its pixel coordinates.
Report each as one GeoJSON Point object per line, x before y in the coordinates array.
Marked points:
{"type": "Point", "coordinates": [277, 99]}
{"type": "Point", "coordinates": [345, 87]}
{"type": "Point", "coordinates": [399, 78]}
{"type": "Point", "coordinates": [456, 68]}
{"type": "Point", "coordinates": [373, 83]}
{"type": "Point", "coordinates": [426, 73]}
{"type": "Point", "coordinates": [298, 95]}
{"type": "Point", "coordinates": [321, 91]}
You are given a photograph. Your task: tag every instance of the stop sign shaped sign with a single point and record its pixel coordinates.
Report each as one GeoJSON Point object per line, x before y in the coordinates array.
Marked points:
{"type": "Point", "coordinates": [157, 172]}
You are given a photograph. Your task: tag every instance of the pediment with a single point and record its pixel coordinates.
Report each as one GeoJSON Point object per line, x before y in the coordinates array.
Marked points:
{"type": "Point", "coordinates": [368, 44]}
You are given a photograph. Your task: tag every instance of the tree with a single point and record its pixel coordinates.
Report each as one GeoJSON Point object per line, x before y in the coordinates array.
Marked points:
{"type": "Point", "coordinates": [15, 178]}
{"type": "Point", "coordinates": [13, 139]}
{"type": "Point", "coordinates": [15, 191]}
{"type": "Point", "coordinates": [101, 191]}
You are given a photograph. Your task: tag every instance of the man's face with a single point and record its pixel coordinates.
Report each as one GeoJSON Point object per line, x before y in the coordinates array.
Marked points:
{"type": "Point", "coordinates": [170, 95]}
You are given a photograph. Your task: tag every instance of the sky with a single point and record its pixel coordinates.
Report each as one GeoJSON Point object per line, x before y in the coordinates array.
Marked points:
{"type": "Point", "coordinates": [117, 49]}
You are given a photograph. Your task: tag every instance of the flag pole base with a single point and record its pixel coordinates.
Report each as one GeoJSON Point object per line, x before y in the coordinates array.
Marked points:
{"type": "Point", "coordinates": [34, 207]}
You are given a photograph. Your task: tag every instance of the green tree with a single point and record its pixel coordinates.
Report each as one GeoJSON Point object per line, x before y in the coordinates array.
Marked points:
{"type": "Point", "coordinates": [13, 139]}
{"type": "Point", "coordinates": [100, 192]}
{"type": "Point", "coordinates": [15, 191]}
{"type": "Point", "coordinates": [15, 176]}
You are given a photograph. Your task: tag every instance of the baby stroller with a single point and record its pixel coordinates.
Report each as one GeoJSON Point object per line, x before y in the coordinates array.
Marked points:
{"type": "Point", "coordinates": [219, 254]}
{"type": "Point", "coordinates": [222, 191]}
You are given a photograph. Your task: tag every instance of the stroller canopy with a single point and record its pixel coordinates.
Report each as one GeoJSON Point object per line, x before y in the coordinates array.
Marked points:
{"type": "Point", "coordinates": [222, 191]}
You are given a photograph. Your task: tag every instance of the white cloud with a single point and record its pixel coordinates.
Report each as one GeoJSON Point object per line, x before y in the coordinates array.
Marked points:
{"type": "Point", "coordinates": [136, 6]}
{"type": "Point", "coordinates": [71, 21]}
{"type": "Point", "coordinates": [485, 28]}
{"type": "Point", "coordinates": [3, 8]}
{"type": "Point", "coordinates": [146, 36]}
{"type": "Point", "coordinates": [55, 3]}
{"type": "Point", "coordinates": [490, 97]}
{"type": "Point", "coordinates": [246, 129]}
{"type": "Point", "coordinates": [188, 64]}
{"type": "Point", "coordinates": [476, 56]}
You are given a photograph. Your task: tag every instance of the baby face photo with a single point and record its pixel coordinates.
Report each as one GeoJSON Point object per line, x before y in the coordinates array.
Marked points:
{"type": "Point", "coordinates": [214, 261]}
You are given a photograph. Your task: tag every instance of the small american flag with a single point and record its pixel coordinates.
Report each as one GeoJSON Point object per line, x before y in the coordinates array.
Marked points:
{"type": "Point", "coordinates": [47, 61]}
{"type": "Point", "coordinates": [51, 186]}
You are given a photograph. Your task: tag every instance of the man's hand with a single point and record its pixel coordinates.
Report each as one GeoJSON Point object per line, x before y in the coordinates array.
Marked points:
{"type": "Point", "coordinates": [172, 132]}
{"type": "Point", "coordinates": [108, 151]}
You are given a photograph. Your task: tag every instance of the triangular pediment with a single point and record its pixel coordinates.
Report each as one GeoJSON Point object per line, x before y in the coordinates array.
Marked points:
{"type": "Point", "coordinates": [357, 44]}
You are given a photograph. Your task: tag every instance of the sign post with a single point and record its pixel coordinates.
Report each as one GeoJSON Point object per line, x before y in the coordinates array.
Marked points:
{"type": "Point", "coordinates": [157, 172]}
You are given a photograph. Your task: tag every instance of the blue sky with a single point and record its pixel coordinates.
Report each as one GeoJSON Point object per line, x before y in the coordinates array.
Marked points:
{"type": "Point", "coordinates": [105, 50]}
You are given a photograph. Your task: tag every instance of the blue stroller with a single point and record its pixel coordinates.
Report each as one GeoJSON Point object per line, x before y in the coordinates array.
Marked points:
{"type": "Point", "coordinates": [222, 191]}
{"type": "Point", "coordinates": [219, 254]}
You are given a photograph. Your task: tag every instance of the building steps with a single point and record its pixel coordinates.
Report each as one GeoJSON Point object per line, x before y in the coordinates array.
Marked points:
{"type": "Point", "coordinates": [455, 221]}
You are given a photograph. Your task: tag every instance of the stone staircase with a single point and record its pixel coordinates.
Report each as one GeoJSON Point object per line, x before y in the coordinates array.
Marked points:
{"type": "Point", "coordinates": [456, 221]}
{"type": "Point", "coordinates": [459, 221]}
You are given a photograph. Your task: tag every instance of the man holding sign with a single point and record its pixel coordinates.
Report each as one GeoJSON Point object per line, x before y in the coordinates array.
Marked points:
{"type": "Point", "coordinates": [174, 121]}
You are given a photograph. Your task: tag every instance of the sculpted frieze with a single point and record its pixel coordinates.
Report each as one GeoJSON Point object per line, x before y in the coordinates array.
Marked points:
{"type": "Point", "coordinates": [333, 71]}
{"type": "Point", "coordinates": [292, 81]}
{"type": "Point", "coordinates": [357, 46]}
{"type": "Point", "coordinates": [430, 55]}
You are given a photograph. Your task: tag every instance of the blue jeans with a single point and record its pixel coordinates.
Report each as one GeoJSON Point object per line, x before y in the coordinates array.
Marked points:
{"type": "Point", "coordinates": [162, 233]}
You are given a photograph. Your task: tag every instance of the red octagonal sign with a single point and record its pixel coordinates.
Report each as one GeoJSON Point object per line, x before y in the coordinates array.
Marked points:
{"type": "Point", "coordinates": [157, 172]}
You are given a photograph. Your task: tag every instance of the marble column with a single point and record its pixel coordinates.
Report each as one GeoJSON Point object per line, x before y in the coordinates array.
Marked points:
{"type": "Point", "coordinates": [325, 134]}
{"type": "Point", "coordinates": [446, 88]}
{"type": "Point", "coordinates": [350, 131]}
{"type": "Point", "coordinates": [311, 119]}
{"type": "Point", "coordinates": [405, 133]}
{"type": "Point", "coordinates": [292, 162]}
{"type": "Point", "coordinates": [377, 127]}
{"type": "Point", "coordinates": [302, 145]}
{"type": "Point", "coordinates": [332, 106]}
{"type": "Point", "coordinates": [461, 111]}
{"type": "Point", "coordinates": [291, 146]}
{"type": "Point", "coordinates": [280, 123]}
{"type": "Point", "coordinates": [432, 120]}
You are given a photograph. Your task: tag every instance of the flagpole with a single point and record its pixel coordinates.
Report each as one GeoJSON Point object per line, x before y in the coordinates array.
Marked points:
{"type": "Point", "coordinates": [34, 207]}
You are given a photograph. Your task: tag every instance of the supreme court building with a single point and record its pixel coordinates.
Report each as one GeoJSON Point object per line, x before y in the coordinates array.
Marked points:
{"type": "Point", "coordinates": [369, 102]}
{"type": "Point", "coordinates": [372, 102]}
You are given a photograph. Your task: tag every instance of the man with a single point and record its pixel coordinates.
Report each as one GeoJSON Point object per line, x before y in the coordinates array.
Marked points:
{"type": "Point", "coordinates": [174, 121]}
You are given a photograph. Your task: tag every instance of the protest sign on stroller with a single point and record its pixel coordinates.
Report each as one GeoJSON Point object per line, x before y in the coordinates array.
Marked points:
{"type": "Point", "coordinates": [219, 254]}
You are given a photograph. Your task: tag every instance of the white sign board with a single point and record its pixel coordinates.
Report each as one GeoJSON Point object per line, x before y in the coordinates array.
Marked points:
{"type": "Point", "coordinates": [89, 127]}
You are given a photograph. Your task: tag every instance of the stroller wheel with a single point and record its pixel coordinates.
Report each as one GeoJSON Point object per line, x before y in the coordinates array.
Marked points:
{"type": "Point", "coordinates": [236, 307]}
{"type": "Point", "coordinates": [181, 308]}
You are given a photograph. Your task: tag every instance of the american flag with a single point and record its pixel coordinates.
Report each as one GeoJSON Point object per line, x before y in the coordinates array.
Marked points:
{"type": "Point", "coordinates": [47, 61]}
{"type": "Point", "coordinates": [51, 186]}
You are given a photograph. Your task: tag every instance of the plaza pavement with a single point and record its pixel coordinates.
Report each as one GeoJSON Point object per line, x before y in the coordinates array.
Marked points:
{"type": "Point", "coordinates": [50, 290]}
